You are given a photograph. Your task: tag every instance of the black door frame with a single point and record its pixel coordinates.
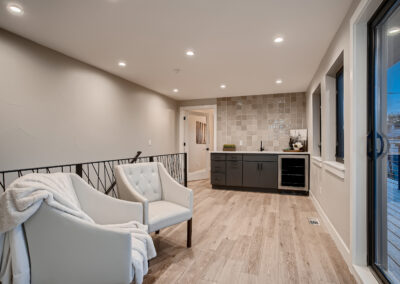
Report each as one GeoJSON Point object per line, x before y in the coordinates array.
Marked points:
{"type": "Point", "coordinates": [383, 11]}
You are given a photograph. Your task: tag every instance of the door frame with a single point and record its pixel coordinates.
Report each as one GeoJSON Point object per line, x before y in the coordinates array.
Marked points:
{"type": "Point", "coordinates": [377, 17]}
{"type": "Point", "coordinates": [182, 110]}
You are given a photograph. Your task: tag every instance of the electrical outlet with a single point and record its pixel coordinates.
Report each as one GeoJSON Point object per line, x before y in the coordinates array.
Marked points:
{"type": "Point", "coordinates": [149, 142]}
{"type": "Point", "coordinates": [241, 143]}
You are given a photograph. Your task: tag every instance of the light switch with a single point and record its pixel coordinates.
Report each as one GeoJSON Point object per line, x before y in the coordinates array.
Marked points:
{"type": "Point", "coordinates": [149, 142]}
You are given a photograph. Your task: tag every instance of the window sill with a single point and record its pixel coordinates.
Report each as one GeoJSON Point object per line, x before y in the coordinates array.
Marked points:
{"type": "Point", "coordinates": [335, 168]}
{"type": "Point", "coordinates": [317, 161]}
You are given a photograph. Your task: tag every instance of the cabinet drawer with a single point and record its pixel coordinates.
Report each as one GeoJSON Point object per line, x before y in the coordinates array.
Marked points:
{"type": "Point", "coordinates": [218, 166]}
{"type": "Point", "coordinates": [234, 157]}
{"type": "Point", "coordinates": [261, 158]}
{"type": "Point", "coordinates": [217, 179]}
{"type": "Point", "coordinates": [233, 164]}
{"type": "Point", "coordinates": [218, 157]}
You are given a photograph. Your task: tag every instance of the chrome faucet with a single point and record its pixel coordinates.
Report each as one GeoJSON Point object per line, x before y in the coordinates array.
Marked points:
{"type": "Point", "coordinates": [261, 147]}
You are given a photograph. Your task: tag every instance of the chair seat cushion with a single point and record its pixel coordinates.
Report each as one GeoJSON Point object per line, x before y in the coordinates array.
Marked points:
{"type": "Point", "coordinates": [164, 213]}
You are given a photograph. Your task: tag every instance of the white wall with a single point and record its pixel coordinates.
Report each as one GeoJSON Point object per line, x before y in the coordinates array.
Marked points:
{"type": "Point", "coordinates": [330, 185]}
{"type": "Point", "coordinates": [56, 110]}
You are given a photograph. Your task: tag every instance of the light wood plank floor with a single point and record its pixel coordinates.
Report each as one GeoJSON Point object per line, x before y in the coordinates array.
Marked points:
{"type": "Point", "coordinates": [248, 237]}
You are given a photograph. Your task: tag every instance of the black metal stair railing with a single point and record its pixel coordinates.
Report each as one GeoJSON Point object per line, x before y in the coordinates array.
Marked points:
{"type": "Point", "coordinates": [100, 174]}
{"type": "Point", "coordinates": [112, 186]}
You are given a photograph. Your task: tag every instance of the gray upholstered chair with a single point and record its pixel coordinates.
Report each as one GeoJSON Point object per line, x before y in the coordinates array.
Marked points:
{"type": "Point", "coordinates": [165, 201]}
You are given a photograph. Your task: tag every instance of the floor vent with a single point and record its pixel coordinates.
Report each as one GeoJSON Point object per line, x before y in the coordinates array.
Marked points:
{"type": "Point", "coordinates": [313, 221]}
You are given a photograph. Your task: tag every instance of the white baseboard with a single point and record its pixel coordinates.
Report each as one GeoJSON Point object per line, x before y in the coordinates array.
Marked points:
{"type": "Point", "coordinates": [340, 244]}
{"type": "Point", "coordinates": [364, 275]}
{"type": "Point", "coordinates": [198, 175]}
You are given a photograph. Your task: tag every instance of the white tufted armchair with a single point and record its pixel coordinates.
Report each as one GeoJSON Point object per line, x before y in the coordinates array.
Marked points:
{"type": "Point", "coordinates": [65, 249]}
{"type": "Point", "coordinates": [165, 201]}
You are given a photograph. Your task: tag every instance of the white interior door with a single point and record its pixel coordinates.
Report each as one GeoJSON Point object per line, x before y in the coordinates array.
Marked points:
{"type": "Point", "coordinates": [197, 143]}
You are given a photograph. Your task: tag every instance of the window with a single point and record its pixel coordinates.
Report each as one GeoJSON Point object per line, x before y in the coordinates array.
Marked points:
{"type": "Point", "coordinates": [317, 134]}
{"type": "Point", "coordinates": [339, 117]}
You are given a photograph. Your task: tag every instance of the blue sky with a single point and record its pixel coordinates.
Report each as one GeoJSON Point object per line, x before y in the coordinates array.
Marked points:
{"type": "Point", "coordinates": [393, 87]}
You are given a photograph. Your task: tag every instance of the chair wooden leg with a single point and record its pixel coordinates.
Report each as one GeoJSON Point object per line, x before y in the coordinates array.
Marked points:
{"type": "Point", "coordinates": [157, 232]}
{"type": "Point", "coordinates": [189, 233]}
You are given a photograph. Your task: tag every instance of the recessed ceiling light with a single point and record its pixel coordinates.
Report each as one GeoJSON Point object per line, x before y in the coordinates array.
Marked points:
{"type": "Point", "coordinates": [222, 86]}
{"type": "Point", "coordinates": [278, 39]}
{"type": "Point", "coordinates": [190, 53]}
{"type": "Point", "coordinates": [394, 30]}
{"type": "Point", "coordinates": [15, 9]}
{"type": "Point", "coordinates": [175, 90]}
{"type": "Point", "coordinates": [279, 81]}
{"type": "Point", "coordinates": [122, 64]}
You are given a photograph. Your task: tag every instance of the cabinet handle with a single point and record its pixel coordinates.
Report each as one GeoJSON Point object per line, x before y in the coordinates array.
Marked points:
{"type": "Point", "coordinates": [261, 166]}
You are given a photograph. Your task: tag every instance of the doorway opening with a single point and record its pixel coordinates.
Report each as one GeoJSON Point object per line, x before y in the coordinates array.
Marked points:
{"type": "Point", "coordinates": [198, 138]}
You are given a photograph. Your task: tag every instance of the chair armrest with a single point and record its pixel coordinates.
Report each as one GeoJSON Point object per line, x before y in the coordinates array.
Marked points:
{"type": "Point", "coordinates": [173, 191]}
{"type": "Point", "coordinates": [127, 192]}
{"type": "Point", "coordinates": [104, 209]}
{"type": "Point", "coordinates": [65, 249]}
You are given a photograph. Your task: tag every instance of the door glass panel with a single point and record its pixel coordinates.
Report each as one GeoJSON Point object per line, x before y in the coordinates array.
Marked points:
{"type": "Point", "coordinates": [387, 133]}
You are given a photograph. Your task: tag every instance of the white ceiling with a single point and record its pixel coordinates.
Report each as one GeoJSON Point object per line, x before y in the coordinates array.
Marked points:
{"type": "Point", "coordinates": [232, 40]}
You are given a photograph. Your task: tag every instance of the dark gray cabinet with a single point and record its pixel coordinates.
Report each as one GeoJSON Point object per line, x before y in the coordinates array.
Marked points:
{"type": "Point", "coordinates": [251, 174]}
{"type": "Point", "coordinates": [218, 178]}
{"type": "Point", "coordinates": [218, 169]}
{"type": "Point", "coordinates": [244, 170]}
{"type": "Point", "coordinates": [234, 172]}
{"type": "Point", "coordinates": [218, 166]}
{"type": "Point", "coordinates": [259, 170]}
{"type": "Point", "coordinates": [260, 174]}
{"type": "Point", "coordinates": [269, 175]}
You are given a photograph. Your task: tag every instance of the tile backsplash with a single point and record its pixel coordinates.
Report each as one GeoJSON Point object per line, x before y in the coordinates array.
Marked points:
{"type": "Point", "coordinates": [264, 117]}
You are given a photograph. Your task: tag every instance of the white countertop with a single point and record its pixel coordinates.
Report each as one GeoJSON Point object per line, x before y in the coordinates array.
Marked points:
{"type": "Point", "coordinates": [263, 152]}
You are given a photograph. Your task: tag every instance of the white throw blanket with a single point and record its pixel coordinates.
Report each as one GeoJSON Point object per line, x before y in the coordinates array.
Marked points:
{"type": "Point", "coordinates": [25, 196]}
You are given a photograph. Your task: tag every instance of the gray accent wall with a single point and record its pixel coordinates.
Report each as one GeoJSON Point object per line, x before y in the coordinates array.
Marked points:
{"type": "Point", "coordinates": [56, 110]}
{"type": "Point", "coordinates": [251, 119]}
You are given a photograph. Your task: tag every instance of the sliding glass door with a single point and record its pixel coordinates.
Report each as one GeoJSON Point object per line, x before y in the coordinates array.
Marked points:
{"type": "Point", "coordinates": [384, 142]}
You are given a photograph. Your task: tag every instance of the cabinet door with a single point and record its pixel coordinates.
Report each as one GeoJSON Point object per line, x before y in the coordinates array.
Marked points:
{"type": "Point", "coordinates": [268, 175]}
{"type": "Point", "coordinates": [218, 166]}
{"type": "Point", "coordinates": [251, 174]}
{"type": "Point", "coordinates": [218, 178]}
{"type": "Point", "coordinates": [234, 173]}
